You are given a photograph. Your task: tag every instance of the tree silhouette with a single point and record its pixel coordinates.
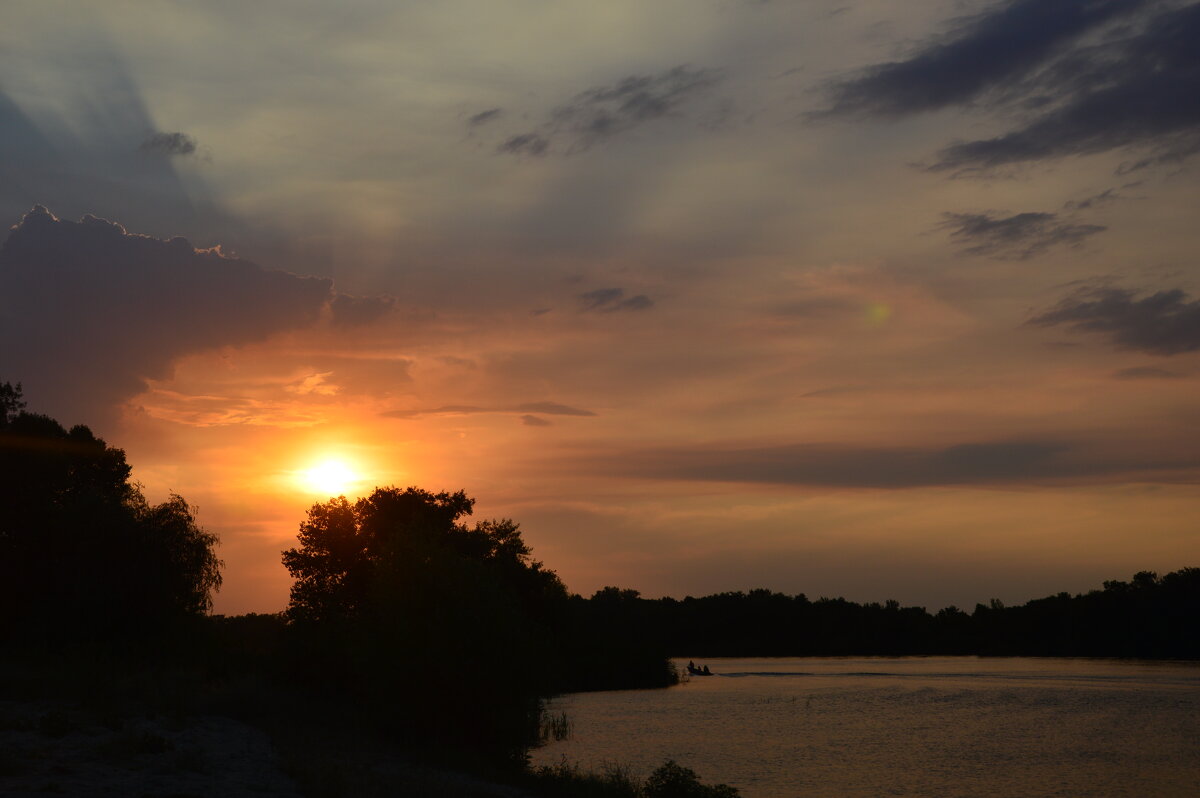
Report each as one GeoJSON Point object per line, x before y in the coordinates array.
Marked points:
{"type": "Point", "coordinates": [424, 618]}
{"type": "Point", "coordinates": [83, 556]}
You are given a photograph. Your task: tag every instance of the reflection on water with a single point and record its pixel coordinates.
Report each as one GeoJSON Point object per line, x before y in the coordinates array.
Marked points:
{"type": "Point", "coordinates": [915, 726]}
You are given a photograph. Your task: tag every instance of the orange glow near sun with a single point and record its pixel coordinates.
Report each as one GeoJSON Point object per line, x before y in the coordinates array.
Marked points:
{"type": "Point", "coordinates": [331, 477]}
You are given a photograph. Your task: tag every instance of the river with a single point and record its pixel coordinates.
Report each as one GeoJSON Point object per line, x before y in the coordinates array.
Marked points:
{"type": "Point", "coordinates": [911, 726]}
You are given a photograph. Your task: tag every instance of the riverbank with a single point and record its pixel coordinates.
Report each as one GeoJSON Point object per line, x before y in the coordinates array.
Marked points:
{"type": "Point", "coordinates": [56, 746]}
{"type": "Point", "coordinates": [120, 726]}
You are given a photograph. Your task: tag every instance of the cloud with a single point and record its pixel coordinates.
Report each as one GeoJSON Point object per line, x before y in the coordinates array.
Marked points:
{"type": "Point", "coordinates": [552, 409]}
{"type": "Point", "coordinates": [535, 421]}
{"type": "Point", "coordinates": [1108, 195]}
{"type": "Point", "coordinates": [1146, 373]}
{"type": "Point", "coordinates": [90, 311]}
{"type": "Point", "coordinates": [611, 300]}
{"type": "Point", "coordinates": [1164, 323]}
{"type": "Point", "coordinates": [483, 117]}
{"type": "Point", "coordinates": [1137, 90]}
{"type": "Point", "coordinates": [315, 384]}
{"type": "Point", "coordinates": [542, 408]}
{"type": "Point", "coordinates": [979, 54]}
{"type": "Point", "coordinates": [358, 311]}
{"type": "Point", "coordinates": [169, 144]}
{"type": "Point", "coordinates": [525, 144]}
{"type": "Point", "coordinates": [74, 152]}
{"type": "Point", "coordinates": [819, 465]}
{"type": "Point", "coordinates": [1084, 76]}
{"type": "Point", "coordinates": [601, 113]}
{"type": "Point", "coordinates": [1018, 237]}
{"type": "Point", "coordinates": [836, 390]}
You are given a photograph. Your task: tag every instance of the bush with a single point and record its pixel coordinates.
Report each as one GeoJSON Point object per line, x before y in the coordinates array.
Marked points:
{"type": "Point", "coordinates": [675, 781]}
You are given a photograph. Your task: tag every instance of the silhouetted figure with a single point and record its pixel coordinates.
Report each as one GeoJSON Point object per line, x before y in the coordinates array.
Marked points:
{"type": "Point", "coordinates": [706, 671]}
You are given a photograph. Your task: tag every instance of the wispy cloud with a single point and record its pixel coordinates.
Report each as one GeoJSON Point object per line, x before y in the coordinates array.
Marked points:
{"type": "Point", "coordinates": [1017, 237]}
{"type": "Point", "coordinates": [1146, 373]}
{"type": "Point", "coordinates": [613, 300]}
{"type": "Point", "coordinates": [523, 409]}
{"type": "Point", "coordinates": [601, 113]}
{"type": "Point", "coordinates": [483, 117]}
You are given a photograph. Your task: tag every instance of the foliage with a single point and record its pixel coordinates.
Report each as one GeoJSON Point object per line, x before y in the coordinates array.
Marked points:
{"type": "Point", "coordinates": [446, 630]}
{"type": "Point", "coordinates": [1150, 617]}
{"type": "Point", "coordinates": [670, 780]}
{"type": "Point", "coordinates": [615, 640]}
{"type": "Point", "coordinates": [674, 781]}
{"type": "Point", "coordinates": [83, 556]}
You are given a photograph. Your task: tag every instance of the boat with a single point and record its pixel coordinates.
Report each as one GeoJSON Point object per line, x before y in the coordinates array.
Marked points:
{"type": "Point", "coordinates": [694, 671]}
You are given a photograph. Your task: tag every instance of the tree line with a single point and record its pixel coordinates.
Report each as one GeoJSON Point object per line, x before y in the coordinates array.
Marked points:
{"type": "Point", "coordinates": [1150, 616]}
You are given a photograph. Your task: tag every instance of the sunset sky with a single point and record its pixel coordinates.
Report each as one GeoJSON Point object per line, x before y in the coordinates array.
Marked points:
{"type": "Point", "coordinates": [868, 298]}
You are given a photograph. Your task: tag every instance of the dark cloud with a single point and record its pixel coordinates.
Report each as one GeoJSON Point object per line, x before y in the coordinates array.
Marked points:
{"type": "Point", "coordinates": [1164, 323]}
{"type": "Point", "coordinates": [601, 113]}
{"type": "Point", "coordinates": [524, 409]}
{"type": "Point", "coordinates": [1138, 89]}
{"type": "Point", "coordinates": [525, 144]}
{"type": "Point", "coordinates": [169, 144]}
{"type": "Point", "coordinates": [1085, 76]}
{"type": "Point", "coordinates": [483, 117]}
{"type": "Point", "coordinates": [89, 311]}
{"type": "Point", "coordinates": [358, 311]}
{"type": "Point", "coordinates": [1006, 462]}
{"type": "Point", "coordinates": [1019, 236]}
{"type": "Point", "coordinates": [979, 54]}
{"type": "Point", "coordinates": [534, 421]}
{"type": "Point", "coordinates": [612, 300]}
{"type": "Point", "coordinates": [1146, 373]}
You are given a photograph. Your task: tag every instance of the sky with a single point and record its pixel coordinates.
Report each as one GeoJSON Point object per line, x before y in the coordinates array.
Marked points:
{"type": "Point", "coordinates": [864, 299]}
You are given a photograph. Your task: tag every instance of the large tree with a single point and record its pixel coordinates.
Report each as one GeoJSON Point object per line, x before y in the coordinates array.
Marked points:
{"type": "Point", "coordinates": [83, 556]}
{"type": "Point", "coordinates": [447, 628]}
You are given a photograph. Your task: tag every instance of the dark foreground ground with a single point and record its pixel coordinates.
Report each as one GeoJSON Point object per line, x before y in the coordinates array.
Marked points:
{"type": "Point", "coordinates": [103, 731]}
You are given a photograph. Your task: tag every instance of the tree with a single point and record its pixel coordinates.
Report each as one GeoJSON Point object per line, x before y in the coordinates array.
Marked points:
{"type": "Point", "coordinates": [83, 556]}
{"type": "Point", "coordinates": [430, 621]}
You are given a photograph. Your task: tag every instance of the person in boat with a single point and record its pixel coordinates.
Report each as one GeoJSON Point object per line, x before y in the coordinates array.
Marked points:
{"type": "Point", "coordinates": [691, 666]}
{"type": "Point", "coordinates": [706, 671]}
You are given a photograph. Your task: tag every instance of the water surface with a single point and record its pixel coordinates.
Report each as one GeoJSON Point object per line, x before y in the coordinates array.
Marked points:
{"type": "Point", "coordinates": [915, 726]}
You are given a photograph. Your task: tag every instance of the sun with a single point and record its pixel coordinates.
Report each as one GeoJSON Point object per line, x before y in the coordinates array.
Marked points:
{"type": "Point", "coordinates": [330, 477]}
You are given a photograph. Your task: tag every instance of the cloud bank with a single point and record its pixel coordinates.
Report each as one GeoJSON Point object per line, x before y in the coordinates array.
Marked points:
{"type": "Point", "coordinates": [91, 311]}
{"type": "Point", "coordinates": [822, 465]}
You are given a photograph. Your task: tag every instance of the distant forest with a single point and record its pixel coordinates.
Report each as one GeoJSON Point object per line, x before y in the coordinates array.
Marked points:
{"type": "Point", "coordinates": [1151, 616]}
